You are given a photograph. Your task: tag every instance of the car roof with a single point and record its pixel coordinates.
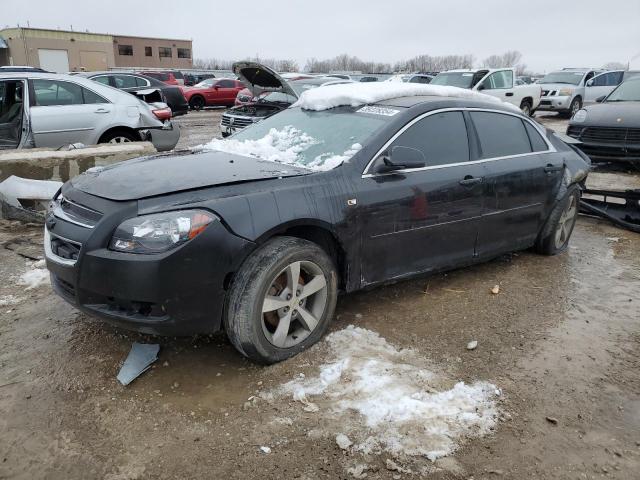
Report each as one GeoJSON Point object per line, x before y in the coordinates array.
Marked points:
{"type": "Point", "coordinates": [438, 101]}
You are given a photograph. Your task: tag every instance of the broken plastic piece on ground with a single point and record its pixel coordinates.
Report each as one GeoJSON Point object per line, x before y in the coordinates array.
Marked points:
{"type": "Point", "coordinates": [140, 358]}
{"type": "Point", "coordinates": [622, 207]}
{"type": "Point", "coordinates": [17, 190]}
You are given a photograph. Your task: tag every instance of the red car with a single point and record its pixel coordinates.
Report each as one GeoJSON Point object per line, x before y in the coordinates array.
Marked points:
{"type": "Point", "coordinates": [213, 92]}
{"type": "Point", "coordinates": [170, 77]}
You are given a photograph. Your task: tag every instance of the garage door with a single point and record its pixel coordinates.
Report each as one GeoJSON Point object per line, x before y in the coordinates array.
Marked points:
{"type": "Point", "coordinates": [54, 60]}
{"type": "Point", "coordinates": [92, 61]}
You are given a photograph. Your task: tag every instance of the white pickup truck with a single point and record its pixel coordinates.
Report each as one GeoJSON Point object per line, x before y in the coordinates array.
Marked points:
{"type": "Point", "coordinates": [497, 82]}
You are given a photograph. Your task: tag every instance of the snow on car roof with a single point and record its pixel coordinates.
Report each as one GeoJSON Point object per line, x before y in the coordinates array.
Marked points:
{"type": "Point", "coordinates": [355, 94]}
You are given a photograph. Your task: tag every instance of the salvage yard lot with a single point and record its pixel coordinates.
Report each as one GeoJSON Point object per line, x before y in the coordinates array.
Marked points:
{"type": "Point", "coordinates": [559, 342]}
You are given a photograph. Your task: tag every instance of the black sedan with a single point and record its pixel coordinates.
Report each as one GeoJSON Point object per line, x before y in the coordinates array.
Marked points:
{"type": "Point", "coordinates": [610, 129]}
{"type": "Point", "coordinates": [258, 236]}
{"type": "Point", "coordinates": [134, 82]}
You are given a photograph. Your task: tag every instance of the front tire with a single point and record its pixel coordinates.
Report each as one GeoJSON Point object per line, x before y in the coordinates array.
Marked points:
{"type": "Point", "coordinates": [281, 300]}
{"type": "Point", "coordinates": [576, 104]}
{"type": "Point", "coordinates": [197, 103]}
{"type": "Point", "coordinates": [525, 107]}
{"type": "Point", "coordinates": [556, 233]}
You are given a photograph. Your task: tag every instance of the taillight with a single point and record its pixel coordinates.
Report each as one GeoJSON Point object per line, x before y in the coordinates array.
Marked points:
{"type": "Point", "coordinates": [162, 114]}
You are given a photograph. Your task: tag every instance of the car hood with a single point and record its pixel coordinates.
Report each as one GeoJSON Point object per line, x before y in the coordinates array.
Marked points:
{"type": "Point", "coordinates": [614, 114]}
{"type": "Point", "coordinates": [557, 86]}
{"type": "Point", "coordinates": [163, 174]}
{"type": "Point", "coordinates": [259, 78]}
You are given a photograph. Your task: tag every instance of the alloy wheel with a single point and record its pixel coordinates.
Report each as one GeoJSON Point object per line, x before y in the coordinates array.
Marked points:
{"type": "Point", "coordinates": [565, 222]}
{"type": "Point", "coordinates": [294, 304]}
{"type": "Point", "coordinates": [119, 140]}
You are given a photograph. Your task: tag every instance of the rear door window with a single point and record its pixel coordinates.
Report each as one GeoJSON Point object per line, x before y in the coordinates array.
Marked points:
{"type": "Point", "coordinates": [441, 137]}
{"type": "Point", "coordinates": [55, 93]}
{"type": "Point", "coordinates": [142, 82]}
{"type": "Point", "coordinates": [500, 135]}
{"type": "Point", "coordinates": [537, 142]}
{"type": "Point", "coordinates": [125, 81]}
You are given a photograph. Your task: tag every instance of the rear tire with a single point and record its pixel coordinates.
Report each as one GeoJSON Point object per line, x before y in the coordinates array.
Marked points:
{"type": "Point", "coordinates": [555, 235]}
{"type": "Point", "coordinates": [270, 314]}
{"type": "Point", "coordinates": [119, 136]}
{"type": "Point", "coordinates": [197, 102]}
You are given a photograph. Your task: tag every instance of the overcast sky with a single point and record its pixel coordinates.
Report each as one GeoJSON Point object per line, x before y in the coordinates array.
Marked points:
{"type": "Point", "coordinates": [549, 34]}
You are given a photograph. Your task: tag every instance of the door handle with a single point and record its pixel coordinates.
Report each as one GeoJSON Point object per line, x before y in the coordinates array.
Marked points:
{"type": "Point", "coordinates": [508, 94]}
{"type": "Point", "coordinates": [469, 180]}
{"type": "Point", "coordinates": [551, 168]}
{"type": "Point", "coordinates": [101, 110]}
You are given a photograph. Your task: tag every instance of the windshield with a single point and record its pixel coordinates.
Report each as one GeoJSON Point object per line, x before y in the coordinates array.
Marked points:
{"type": "Point", "coordinates": [205, 83]}
{"type": "Point", "coordinates": [628, 91]}
{"type": "Point", "coordinates": [453, 79]}
{"type": "Point", "coordinates": [571, 78]}
{"type": "Point", "coordinates": [314, 140]}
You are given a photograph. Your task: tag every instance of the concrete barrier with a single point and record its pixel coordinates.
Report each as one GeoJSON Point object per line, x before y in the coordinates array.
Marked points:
{"type": "Point", "coordinates": [61, 165]}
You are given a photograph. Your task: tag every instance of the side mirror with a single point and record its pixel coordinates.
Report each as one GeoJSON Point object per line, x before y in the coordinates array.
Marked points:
{"type": "Point", "coordinates": [481, 87]}
{"type": "Point", "coordinates": [216, 87]}
{"type": "Point", "coordinates": [601, 98]}
{"type": "Point", "coordinates": [401, 158]}
{"type": "Point", "coordinates": [590, 83]}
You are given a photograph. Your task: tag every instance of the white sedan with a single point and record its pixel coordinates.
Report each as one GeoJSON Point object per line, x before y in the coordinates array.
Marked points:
{"type": "Point", "coordinates": [53, 110]}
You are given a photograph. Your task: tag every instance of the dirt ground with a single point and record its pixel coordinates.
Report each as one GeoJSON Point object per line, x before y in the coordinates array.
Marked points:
{"type": "Point", "coordinates": [560, 339]}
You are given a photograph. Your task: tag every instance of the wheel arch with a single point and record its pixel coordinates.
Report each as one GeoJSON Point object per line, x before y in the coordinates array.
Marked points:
{"type": "Point", "coordinates": [322, 234]}
{"type": "Point", "coordinates": [118, 128]}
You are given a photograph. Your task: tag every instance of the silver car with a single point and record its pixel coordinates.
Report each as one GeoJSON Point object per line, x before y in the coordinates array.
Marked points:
{"type": "Point", "coordinates": [563, 91]}
{"type": "Point", "coordinates": [53, 110]}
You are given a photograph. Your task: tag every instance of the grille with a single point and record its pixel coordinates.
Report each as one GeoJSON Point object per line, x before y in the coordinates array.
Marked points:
{"type": "Point", "coordinates": [64, 248]}
{"type": "Point", "coordinates": [72, 212]}
{"type": "Point", "coordinates": [549, 93]}
{"type": "Point", "coordinates": [238, 122]}
{"type": "Point", "coordinates": [574, 131]}
{"type": "Point", "coordinates": [618, 136]}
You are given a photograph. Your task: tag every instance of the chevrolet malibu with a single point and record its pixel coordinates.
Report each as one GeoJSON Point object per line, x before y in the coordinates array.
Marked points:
{"type": "Point", "coordinates": [257, 234]}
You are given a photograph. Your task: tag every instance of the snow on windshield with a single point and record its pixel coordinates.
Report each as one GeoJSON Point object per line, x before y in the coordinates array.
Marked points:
{"type": "Point", "coordinates": [285, 145]}
{"type": "Point", "coordinates": [355, 94]}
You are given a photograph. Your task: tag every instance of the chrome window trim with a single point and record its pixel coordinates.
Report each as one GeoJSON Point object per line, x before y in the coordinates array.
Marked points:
{"type": "Point", "coordinates": [367, 174]}
{"type": "Point", "coordinates": [48, 253]}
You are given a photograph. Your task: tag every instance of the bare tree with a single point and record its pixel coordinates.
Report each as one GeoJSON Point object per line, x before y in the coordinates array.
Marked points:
{"type": "Point", "coordinates": [506, 60]}
{"type": "Point", "coordinates": [280, 65]}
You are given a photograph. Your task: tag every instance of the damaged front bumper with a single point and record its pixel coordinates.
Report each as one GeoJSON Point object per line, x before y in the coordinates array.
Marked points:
{"type": "Point", "coordinates": [165, 293]}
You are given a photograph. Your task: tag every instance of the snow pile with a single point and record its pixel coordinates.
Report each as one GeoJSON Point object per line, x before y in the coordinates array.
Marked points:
{"type": "Point", "coordinates": [36, 276]}
{"type": "Point", "coordinates": [355, 94]}
{"type": "Point", "coordinates": [400, 409]}
{"type": "Point", "coordinates": [282, 146]}
{"type": "Point", "coordinates": [285, 146]}
{"type": "Point", "coordinates": [8, 300]}
{"type": "Point", "coordinates": [328, 161]}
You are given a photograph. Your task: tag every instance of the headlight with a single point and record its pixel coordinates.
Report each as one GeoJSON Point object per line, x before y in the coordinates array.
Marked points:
{"type": "Point", "coordinates": [565, 92]}
{"type": "Point", "coordinates": [159, 232]}
{"type": "Point", "coordinates": [580, 116]}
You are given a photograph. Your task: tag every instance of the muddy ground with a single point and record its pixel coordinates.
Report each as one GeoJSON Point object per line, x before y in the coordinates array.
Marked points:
{"type": "Point", "coordinates": [560, 339]}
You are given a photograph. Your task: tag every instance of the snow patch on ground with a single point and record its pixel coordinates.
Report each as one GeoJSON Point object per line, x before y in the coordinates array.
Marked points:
{"type": "Point", "coordinates": [8, 300]}
{"type": "Point", "coordinates": [36, 276]}
{"type": "Point", "coordinates": [355, 94]}
{"type": "Point", "coordinates": [401, 410]}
